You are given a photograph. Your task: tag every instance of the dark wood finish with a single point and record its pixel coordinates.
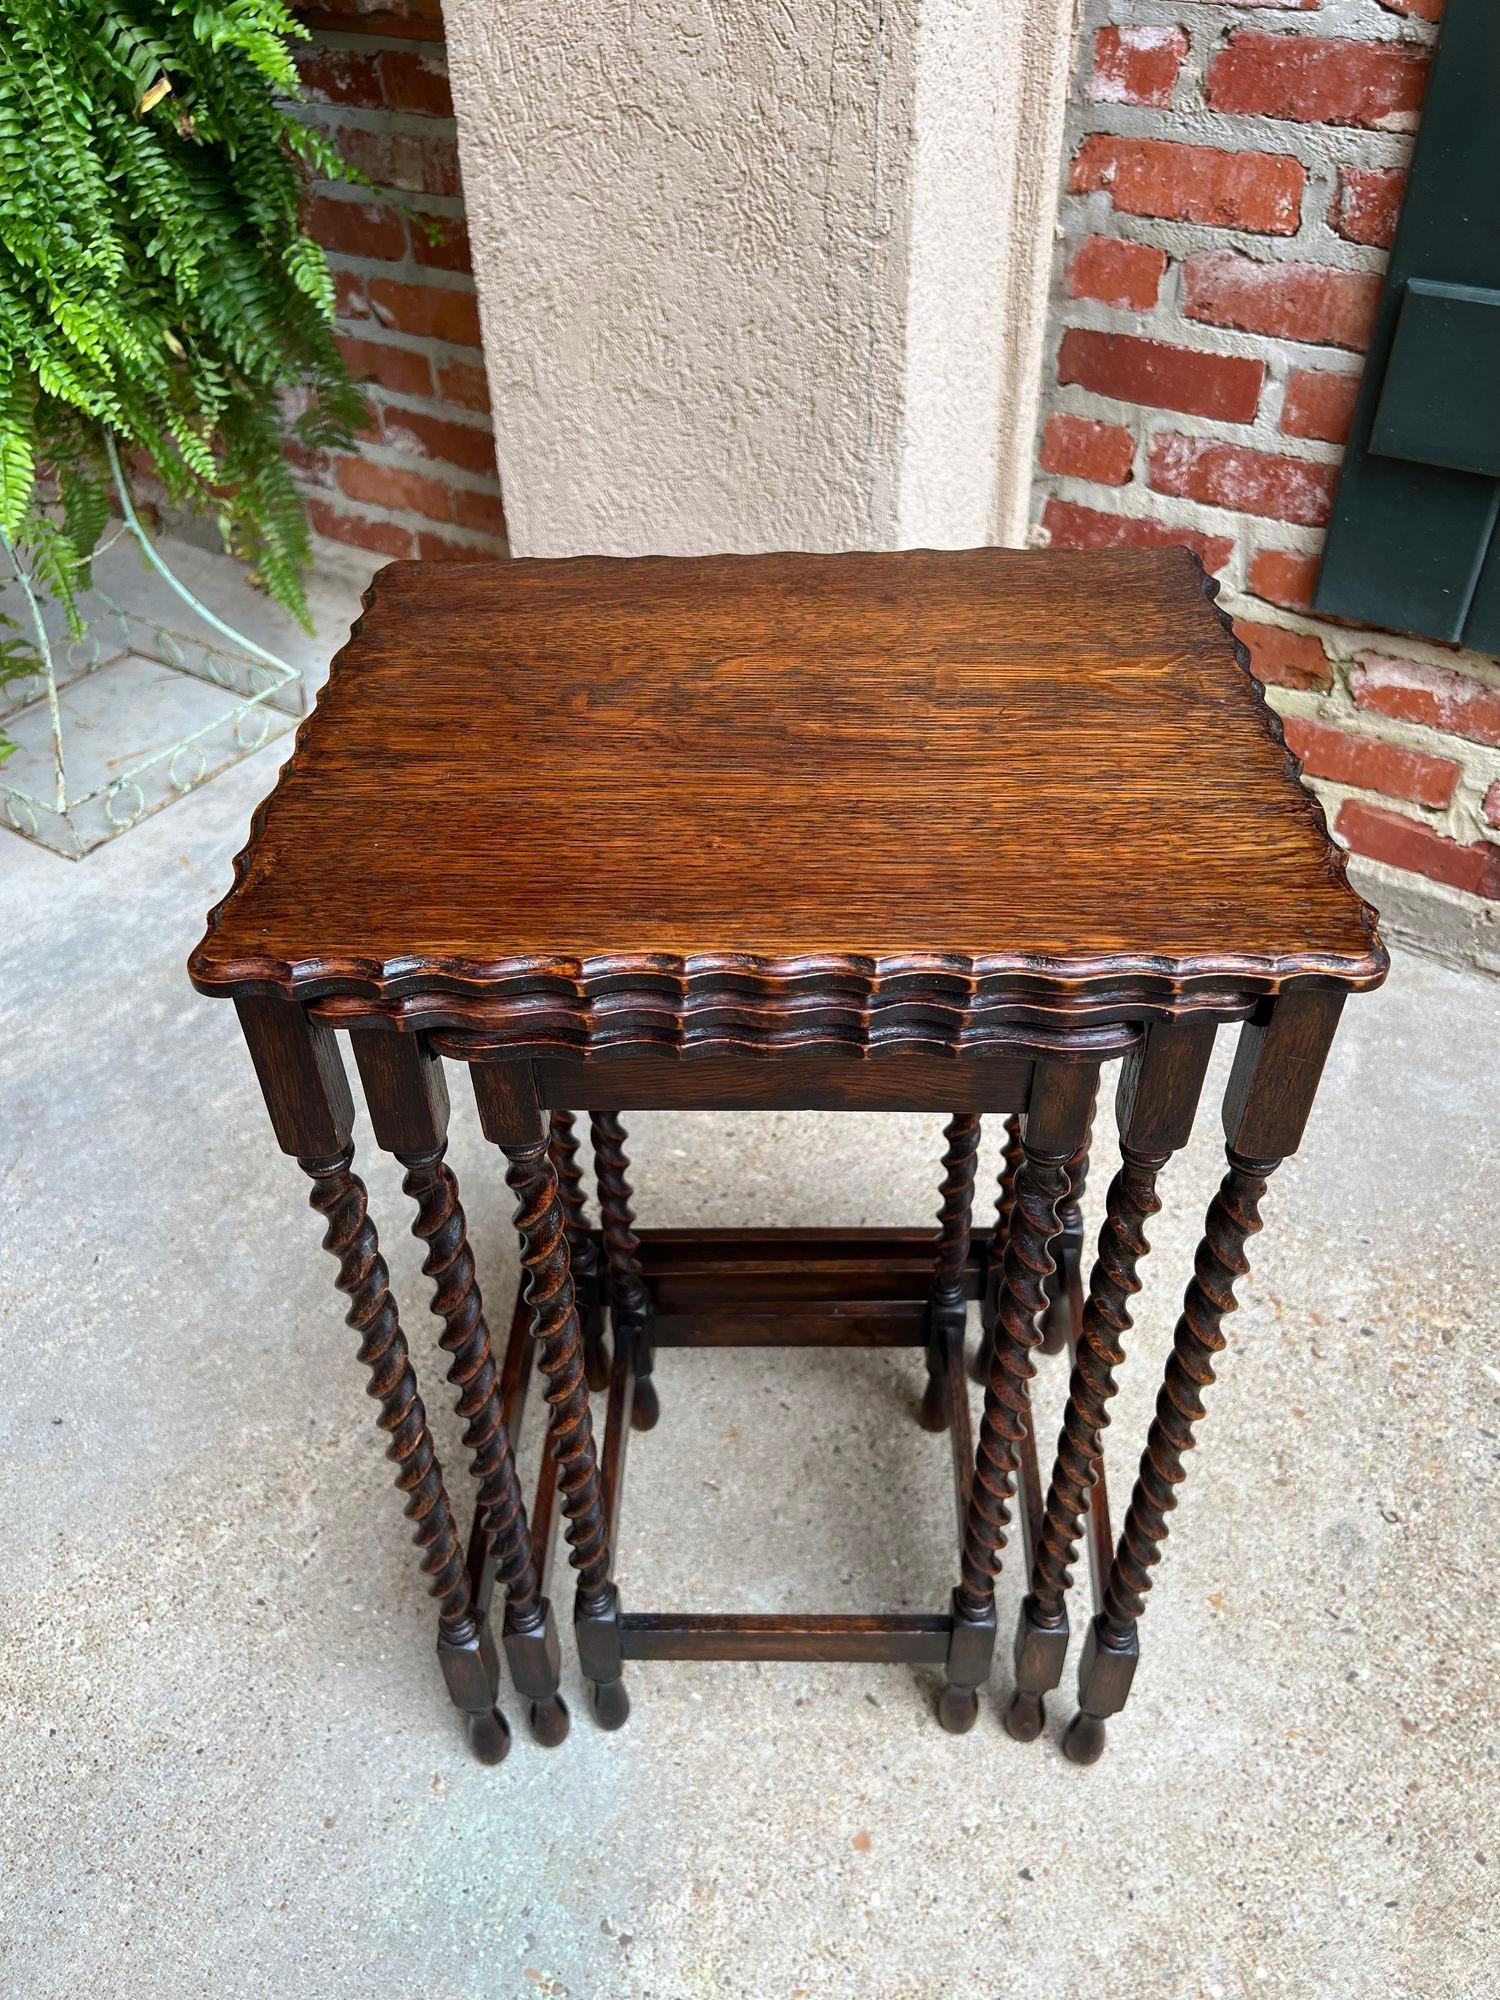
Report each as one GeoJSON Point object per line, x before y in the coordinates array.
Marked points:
{"type": "Point", "coordinates": [583, 1255]}
{"type": "Point", "coordinates": [307, 1094]}
{"type": "Point", "coordinates": [947, 1303]}
{"type": "Point", "coordinates": [629, 1301]}
{"type": "Point", "coordinates": [830, 1079]}
{"type": "Point", "coordinates": [1065, 1286]}
{"type": "Point", "coordinates": [512, 1118]}
{"type": "Point", "coordinates": [1011, 1157]}
{"type": "Point", "coordinates": [1155, 1103]}
{"type": "Point", "coordinates": [936, 830]}
{"type": "Point", "coordinates": [897, 1636]}
{"type": "Point", "coordinates": [1055, 1124]}
{"type": "Point", "coordinates": [407, 1097]}
{"type": "Point", "coordinates": [776, 861]}
{"type": "Point", "coordinates": [1277, 1066]}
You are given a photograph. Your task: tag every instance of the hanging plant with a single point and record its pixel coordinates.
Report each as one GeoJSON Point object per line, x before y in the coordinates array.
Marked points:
{"type": "Point", "coordinates": [157, 289]}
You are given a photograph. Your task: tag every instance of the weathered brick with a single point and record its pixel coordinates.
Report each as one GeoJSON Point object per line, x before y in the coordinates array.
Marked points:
{"type": "Point", "coordinates": [1283, 577]}
{"type": "Point", "coordinates": [1136, 65]}
{"type": "Point", "coordinates": [391, 486]}
{"type": "Point", "coordinates": [1319, 404]}
{"type": "Point", "coordinates": [416, 81]}
{"type": "Point", "coordinates": [1412, 691]}
{"type": "Point", "coordinates": [339, 76]}
{"type": "Point", "coordinates": [463, 383]}
{"type": "Point", "coordinates": [1072, 527]}
{"type": "Point", "coordinates": [1116, 273]}
{"type": "Point", "coordinates": [1294, 301]}
{"type": "Point", "coordinates": [398, 20]}
{"type": "Point", "coordinates": [349, 293]}
{"type": "Point", "coordinates": [316, 467]}
{"type": "Point", "coordinates": [1407, 843]}
{"type": "Point", "coordinates": [1368, 204]}
{"type": "Point", "coordinates": [484, 513]}
{"type": "Point", "coordinates": [1225, 386]}
{"type": "Point", "coordinates": [438, 437]}
{"type": "Point", "coordinates": [386, 538]}
{"type": "Point", "coordinates": [415, 162]}
{"type": "Point", "coordinates": [1370, 763]}
{"type": "Point", "coordinates": [425, 310]}
{"type": "Point", "coordinates": [1491, 807]}
{"type": "Point", "coordinates": [1420, 10]}
{"type": "Point", "coordinates": [357, 228]}
{"type": "Point", "coordinates": [1218, 474]}
{"type": "Point", "coordinates": [1261, 192]}
{"type": "Point", "coordinates": [437, 548]}
{"type": "Point", "coordinates": [398, 368]}
{"type": "Point", "coordinates": [1080, 449]}
{"type": "Point", "coordinates": [1285, 659]}
{"type": "Point", "coordinates": [450, 252]}
{"type": "Point", "coordinates": [1375, 84]}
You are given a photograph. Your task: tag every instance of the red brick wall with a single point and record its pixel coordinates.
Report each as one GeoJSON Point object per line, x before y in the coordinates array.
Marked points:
{"type": "Point", "coordinates": [423, 483]}
{"type": "Point", "coordinates": [1234, 173]}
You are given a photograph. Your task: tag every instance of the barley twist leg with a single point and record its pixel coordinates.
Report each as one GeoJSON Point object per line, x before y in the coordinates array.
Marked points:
{"type": "Point", "coordinates": [531, 1642]}
{"type": "Point", "coordinates": [466, 1647]}
{"type": "Point", "coordinates": [582, 1254]}
{"type": "Point", "coordinates": [1041, 1642]}
{"type": "Point", "coordinates": [554, 1326]}
{"type": "Point", "coordinates": [947, 1308]}
{"type": "Point", "coordinates": [629, 1300]}
{"type": "Point", "coordinates": [1109, 1657]}
{"type": "Point", "coordinates": [1005, 1202]}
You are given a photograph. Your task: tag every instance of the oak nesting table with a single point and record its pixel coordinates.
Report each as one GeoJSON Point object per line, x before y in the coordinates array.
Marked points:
{"type": "Point", "coordinates": [928, 832]}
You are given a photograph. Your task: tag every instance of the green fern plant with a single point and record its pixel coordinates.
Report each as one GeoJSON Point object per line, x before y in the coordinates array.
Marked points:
{"type": "Point", "coordinates": [155, 281]}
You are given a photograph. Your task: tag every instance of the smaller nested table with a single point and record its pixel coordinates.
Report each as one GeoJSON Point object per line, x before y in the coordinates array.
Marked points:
{"type": "Point", "coordinates": [930, 831]}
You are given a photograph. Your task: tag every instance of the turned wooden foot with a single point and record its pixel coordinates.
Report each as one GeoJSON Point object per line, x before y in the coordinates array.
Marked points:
{"type": "Point", "coordinates": [549, 1721]}
{"type": "Point", "coordinates": [933, 1414]}
{"type": "Point", "coordinates": [489, 1736]}
{"type": "Point", "coordinates": [1026, 1715]}
{"type": "Point", "coordinates": [1084, 1738]}
{"type": "Point", "coordinates": [958, 1709]}
{"type": "Point", "coordinates": [644, 1407]}
{"type": "Point", "coordinates": [610, 1703]}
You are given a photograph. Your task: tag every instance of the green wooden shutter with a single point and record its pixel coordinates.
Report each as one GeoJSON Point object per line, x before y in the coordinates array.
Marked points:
{"type": "Point", "coordinates": [1413, 544]}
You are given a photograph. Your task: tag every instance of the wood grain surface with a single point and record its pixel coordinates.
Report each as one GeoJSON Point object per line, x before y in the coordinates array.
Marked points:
{"type": "Point", "coordinates": [976, 778]}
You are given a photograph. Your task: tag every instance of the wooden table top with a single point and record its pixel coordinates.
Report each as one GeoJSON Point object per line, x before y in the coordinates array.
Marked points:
{"type": "Point", "coordinates": [1026, 777]}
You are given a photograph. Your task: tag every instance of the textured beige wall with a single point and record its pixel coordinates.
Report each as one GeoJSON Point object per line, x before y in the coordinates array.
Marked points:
{"type": "Point", "coordinates": [747, 270]}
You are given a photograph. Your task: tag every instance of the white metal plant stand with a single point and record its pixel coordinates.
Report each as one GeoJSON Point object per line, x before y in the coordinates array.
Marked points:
{"type": "Point", "coordinates": [185, 705]}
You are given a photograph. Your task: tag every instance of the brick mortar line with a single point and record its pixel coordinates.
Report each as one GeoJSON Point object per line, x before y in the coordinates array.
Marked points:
{"type": "Point", "coordinates": [1082, 215]}
{"type": "Point", "coordinates": [351, 42]}
{"type": "Point", "coordinates": [404, 403]}
{"type": "Point", "coordinates": [449, 206]}
{"type": "Point", "coordinates": [394, 459]}
{"type": "Point", "coordinates": [406, 270]}
{"type": "Point", "coordinates": [377, 118]}
{"type": "Point", "coordinates": [1197, 124]}
{"type": "Point", "coordinates": [449, 352]}
{"type": "Point", "coordinates": [1332, 22]}
{"type": "Point", "coordinates": [338, 502]}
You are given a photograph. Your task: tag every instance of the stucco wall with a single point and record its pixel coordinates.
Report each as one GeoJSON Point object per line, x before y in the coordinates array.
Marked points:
{"type": "Point", "coordinates": [687, 232]}
{"type": "Point", "coordinates": [748, 271]}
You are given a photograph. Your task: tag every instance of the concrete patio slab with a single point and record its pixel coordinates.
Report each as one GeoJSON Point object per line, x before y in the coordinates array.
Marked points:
{"type": "Point", "coordinates": [226, 1759]}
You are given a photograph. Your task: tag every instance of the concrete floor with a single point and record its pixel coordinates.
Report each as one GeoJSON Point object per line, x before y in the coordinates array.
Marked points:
{"type": "Point", "coordinates": [226, 1759]}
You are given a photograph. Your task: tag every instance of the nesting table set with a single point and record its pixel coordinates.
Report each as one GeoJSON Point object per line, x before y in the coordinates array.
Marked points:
{"type": "Point", "coordinates": [934, 831]}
